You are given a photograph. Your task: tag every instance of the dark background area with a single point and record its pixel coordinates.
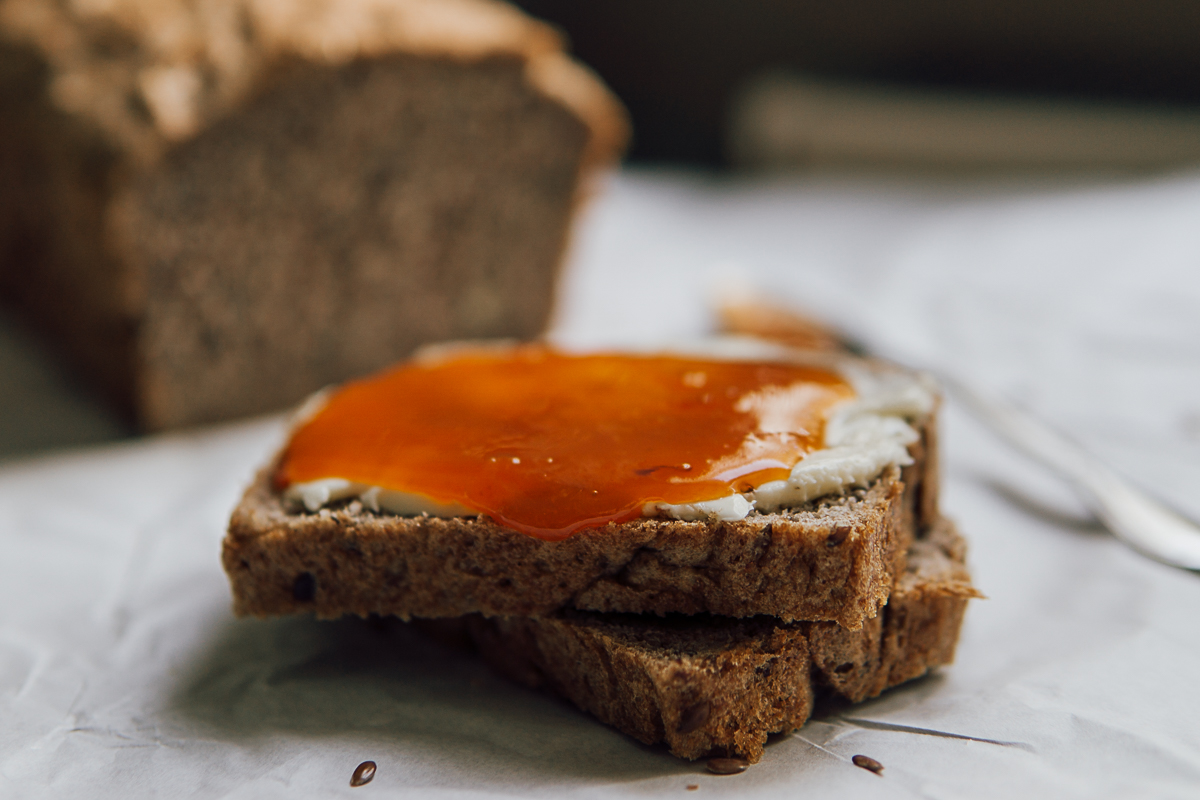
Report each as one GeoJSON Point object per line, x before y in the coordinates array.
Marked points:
{"type": "Point", "coordinates": [677, 63]}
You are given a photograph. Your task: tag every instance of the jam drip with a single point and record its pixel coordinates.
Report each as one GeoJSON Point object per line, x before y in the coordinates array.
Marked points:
{"type": "Point", "coordinates": [549, 443]}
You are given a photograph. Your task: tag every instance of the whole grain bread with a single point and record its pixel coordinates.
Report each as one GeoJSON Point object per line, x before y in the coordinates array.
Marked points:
{"type": "Point", "coordinates": [713, 686]}
{"type": "Point", "coordinates": [216, 207]}
{"type": "Point", "coordinates": [834, 558]}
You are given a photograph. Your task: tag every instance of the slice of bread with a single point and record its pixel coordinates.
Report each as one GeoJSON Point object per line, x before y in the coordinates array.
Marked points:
{"type": "Point", "coordinates": [834, 558]}
{"type": "Point", "coordinates": [215, 207]}
{"type": "Point", "coordinates": [710, 686]}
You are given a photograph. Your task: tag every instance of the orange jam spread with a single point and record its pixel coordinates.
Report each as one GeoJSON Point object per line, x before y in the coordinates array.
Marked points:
{"type": "Point", "coordinates": [549, 443]}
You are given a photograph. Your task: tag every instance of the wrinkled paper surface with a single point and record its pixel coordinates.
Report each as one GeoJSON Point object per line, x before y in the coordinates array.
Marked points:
{"type": "Point", "coordinates": [124, 674]}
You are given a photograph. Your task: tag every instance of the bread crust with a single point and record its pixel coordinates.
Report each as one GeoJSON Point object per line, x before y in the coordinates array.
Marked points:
{"type": "Point", "coordinates": [833, 559]}
{"type": "Point", "coordinates": [238, 48]}
{"type": "Point", "coordinates": [709, 686]}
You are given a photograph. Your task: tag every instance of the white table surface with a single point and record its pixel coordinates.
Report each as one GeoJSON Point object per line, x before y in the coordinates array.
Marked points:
{"type": "Point", "coordinates": [124, 674]}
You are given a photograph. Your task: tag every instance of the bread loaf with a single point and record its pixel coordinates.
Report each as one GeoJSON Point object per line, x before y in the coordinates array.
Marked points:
{"type": "Point", "coordinates": [216, 207]}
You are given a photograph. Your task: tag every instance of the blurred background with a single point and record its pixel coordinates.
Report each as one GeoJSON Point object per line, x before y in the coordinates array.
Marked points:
{"type": "Point", "coordinates": [684, 67]}
{"type": "Point", "coordinates": [1063, 91]}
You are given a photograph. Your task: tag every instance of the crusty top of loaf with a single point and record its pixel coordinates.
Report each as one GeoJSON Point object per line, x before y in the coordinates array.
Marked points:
{"type": "Point", "coordinates": [189, 62]}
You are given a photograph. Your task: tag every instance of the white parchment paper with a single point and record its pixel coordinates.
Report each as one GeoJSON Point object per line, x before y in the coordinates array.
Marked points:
{"type": "Point", "coordinates": [124, 674]}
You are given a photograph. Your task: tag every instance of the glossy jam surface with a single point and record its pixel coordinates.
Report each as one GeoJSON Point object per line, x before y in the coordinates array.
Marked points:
{"type": "Point", "coordinates": [548, 443]}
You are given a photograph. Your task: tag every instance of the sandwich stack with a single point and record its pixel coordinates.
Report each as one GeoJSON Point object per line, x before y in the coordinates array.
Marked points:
{"type": "Point", "coordinates": [686, 625]}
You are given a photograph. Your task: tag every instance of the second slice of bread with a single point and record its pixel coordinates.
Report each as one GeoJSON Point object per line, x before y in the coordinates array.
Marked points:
{"type": "Point", "coordinates": [706, 685]}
